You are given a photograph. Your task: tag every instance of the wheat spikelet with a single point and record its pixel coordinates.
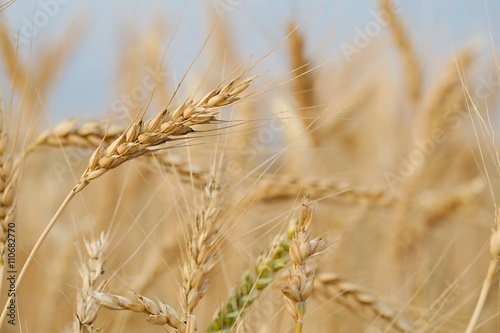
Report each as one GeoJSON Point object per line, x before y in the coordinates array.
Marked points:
{"type": "Point", "coordinates": [355, 299]}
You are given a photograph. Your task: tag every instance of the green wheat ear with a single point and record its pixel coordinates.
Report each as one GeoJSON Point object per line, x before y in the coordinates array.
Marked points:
{"type": "Point", "coordinates": [254, 281]}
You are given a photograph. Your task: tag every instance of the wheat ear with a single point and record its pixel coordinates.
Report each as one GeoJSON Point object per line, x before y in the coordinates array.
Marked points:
{"type": "Point", "coordinates": [142, 137]}
{"type": "Point", "coordinates": [72, 132]}
{"type": "Point", "coordinates": [412, 65]}
{"type": "Point", "coordinates": [8, 188]}
{"type": "Point", "coordinates": [359, 301]}
{"type": "Point", "coordinates": [287, 186]}
{"type": "Point", "coordinates": [91, 272]}
{"type": "Point", "coordinates": [8, 178]}
{"type": "Point", "coordinates": [303, 84]}
{"type": "Point", "coordinates": [301, 282]}
{"type": "Point", "coordinates": [158, 313]}
{"type": "Point", "coordinates": [203, 237]}
{"type": "Point", "coordinates": [90, 135]}
{"type": "Point", "coordinates": [259, 276]}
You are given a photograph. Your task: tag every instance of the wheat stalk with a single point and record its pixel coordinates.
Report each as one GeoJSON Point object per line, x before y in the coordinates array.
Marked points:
{"type": "Point", "coordinates": [492, 270]}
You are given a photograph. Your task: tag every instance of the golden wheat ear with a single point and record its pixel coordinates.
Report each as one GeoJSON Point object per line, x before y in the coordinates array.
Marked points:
{"type": "Point", "coordinates": [91, 272]}
{"type": "Point", "coordinates": [204, 236]}
{"type": "Point", "coordinates": [300, 284]}
{"type": "Point", "coordinates": [413, 71]}
{"type": "Point", "coordinates": [90, 135]}
{"type": "Point", "coordinates": [142, 137]}
{"type": "Point", "coordinates": [9, 174]}
{"type": "Point", "coordinates": [361, 302]}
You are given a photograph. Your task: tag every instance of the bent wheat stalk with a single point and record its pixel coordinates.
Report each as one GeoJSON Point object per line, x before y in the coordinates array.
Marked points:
{"type": "Point", "coordinates": [143, 137]}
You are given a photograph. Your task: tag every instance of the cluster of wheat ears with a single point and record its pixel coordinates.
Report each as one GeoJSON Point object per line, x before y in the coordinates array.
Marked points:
{"type": "Point", "coordinates": [366, 196]}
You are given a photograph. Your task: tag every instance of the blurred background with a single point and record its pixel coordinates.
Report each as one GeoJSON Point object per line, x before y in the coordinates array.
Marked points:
{"type": "Point", "coordinates": [390, 127]}
{"type": "Point", "coordinates": [97, 35]}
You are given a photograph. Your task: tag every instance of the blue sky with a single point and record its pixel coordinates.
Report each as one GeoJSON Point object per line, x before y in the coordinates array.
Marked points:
{"type": "Point", "coordinates": [86, 83]}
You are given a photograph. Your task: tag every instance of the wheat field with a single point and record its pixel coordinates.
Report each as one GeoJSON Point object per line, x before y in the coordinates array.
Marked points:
{"type": "Point", "coordinates": [277, 190]}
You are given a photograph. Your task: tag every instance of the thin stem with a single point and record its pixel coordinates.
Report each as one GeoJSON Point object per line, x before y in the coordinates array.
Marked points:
{"type": "Point", "coordinates": [299, 322]}
{"type": "Point", "coordinates": [191, 324]}
{"type": "Point", "coordinates": [482, 297]}
{"type": "Point", "coordinates": [35, 249]}
{"type": "Point", "coordinates": [298, 326]}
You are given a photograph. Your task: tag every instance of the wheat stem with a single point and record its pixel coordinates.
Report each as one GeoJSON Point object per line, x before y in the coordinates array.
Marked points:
{"type": "Point", "coordinates": [482, 297]}
{"type": "Point", "coordinates": [492, 269]}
